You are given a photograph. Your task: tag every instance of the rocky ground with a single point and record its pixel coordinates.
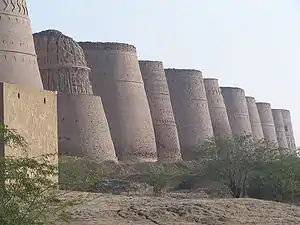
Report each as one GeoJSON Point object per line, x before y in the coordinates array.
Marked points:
{"type": "Point", "coordinates": [107, 209]}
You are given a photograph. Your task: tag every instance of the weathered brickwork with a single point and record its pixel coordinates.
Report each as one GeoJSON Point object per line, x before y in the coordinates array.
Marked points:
{"type": "Point", "coordinates": [267, 122]}
{"type": "Point", "coordinates": [237, 110]}
{"type": "Point", "coordinates": [217, 108]}
{"type": "Point", "coordinates": [82, 131]}
{"type": "Point", "coordinates": [117, 78]}
{"type": "Point", "coordinates": [18, 61]}
{"type": "Point", "coordinates": [190, 109]}
{"type": "Point", "coordinates": [287, 120]}
{"type": "Point", "coordinates": [145, 112]}
{"type": "Point", "coordinates": [166, 134]}
{"type": "Point", "coordinates": [62, 63]}
{"type": "Point", "coordinates": [32, 113]}
{"type": "Point", "coordinates": [257, 131]}
{"type": "Point", "coordinates": [82, 128]}
{"type": "Point", "coordinates": [279, 127]}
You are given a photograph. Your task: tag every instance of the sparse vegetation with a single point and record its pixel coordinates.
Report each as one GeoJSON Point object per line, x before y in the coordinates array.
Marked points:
{"type": "Point", "coordinates": [252, 168]}
{"type": "Point", "coordinates": [28, 190]}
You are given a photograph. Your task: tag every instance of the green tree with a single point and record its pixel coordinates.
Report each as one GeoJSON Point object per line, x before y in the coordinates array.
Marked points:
{"type": "Point", "coordinates": [158, 177]}
{"type": "Point", "coordinates": [28, 191]}
{"type": "Point", "coordinates": [231, 160]}
{"type": "Point", "coordinates": [277, 179]}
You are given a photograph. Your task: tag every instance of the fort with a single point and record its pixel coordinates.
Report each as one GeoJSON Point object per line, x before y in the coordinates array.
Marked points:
{"type": "Point", "coordinates": [97, 100]}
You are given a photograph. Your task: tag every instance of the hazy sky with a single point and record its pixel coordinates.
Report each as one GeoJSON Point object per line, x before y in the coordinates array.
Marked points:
{"type": "Point", "coordinates": [252, 44]}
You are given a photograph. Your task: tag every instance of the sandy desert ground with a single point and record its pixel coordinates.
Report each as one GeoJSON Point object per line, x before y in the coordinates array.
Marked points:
{"type": "Point", "coordinates": [102, 209]}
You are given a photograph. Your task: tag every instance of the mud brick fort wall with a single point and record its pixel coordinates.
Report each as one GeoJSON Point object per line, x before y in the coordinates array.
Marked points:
{"type": "Point", "coordinates": [99, 101]}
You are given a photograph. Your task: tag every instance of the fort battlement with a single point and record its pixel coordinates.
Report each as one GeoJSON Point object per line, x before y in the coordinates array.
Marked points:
{"type": "Point", "coordinates": [185, 71]}
{"type": "Point", "coordinates": [117, 78]}
{"type": "Point", "coordinates": [156, 87]}
{"type": "Point", "coordinates": [190, 108]}
{"type": "Point", "coordinates": [217, 108]}
{"type": "Point", "coordinates": [18, 61]}
{"type": "Point", "coordinates": [267, 122]}
{"type": "Point", "coordinates": [237, 110]}
{"type": "Point", "coordinates": [257, 131]}
{"type": "Point", "coordinates": [14, 7]}
{"type": "Point", "coordinates": [145, 112]}
{"type": "Point", "coordinates": [52, 46]}
{"type": "Point", "coordinates": [152, 64]}
{"type": "Point", "coordinates": [62, 63]}
{"type": "Point", "coordinates": [279, 127]}
{"type": "Point", "coordinates": [108, 46]}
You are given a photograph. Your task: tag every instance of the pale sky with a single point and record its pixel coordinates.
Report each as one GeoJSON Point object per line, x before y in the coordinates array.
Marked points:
{"type": "Point", "coordinates": [252, 44]}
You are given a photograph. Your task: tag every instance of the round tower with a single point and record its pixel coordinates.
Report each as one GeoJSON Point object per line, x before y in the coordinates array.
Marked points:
{"type": "Point", "coordinates": [237, 111]}
{"type": "Point", "coordinates": [190, 108]}
{"type": "Point", "coordinates": [62, 65]}
{"type": "Point", "coordinates": [217, 108]}
{"type": "Point", "coordinates": [117, 78]}
{"type": "Point", "coordinates": [257, 131]}
{"type": "Point", "coordinates": [156, 87]}
{"type": "Point", "coordinates": [279, 127]}
{"type": "Point", "coordinates": [267, 122]}
{"type": "Point", "coordinates": [288, 127]}
{"type": "Point", "coordinates": [18, 63]}
{"type": "Point", "coordinates": [82, 126]}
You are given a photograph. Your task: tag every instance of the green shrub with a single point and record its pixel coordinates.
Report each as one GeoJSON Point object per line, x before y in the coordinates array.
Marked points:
{"type": "Point", "coordinates": [28, 188]}
{"type": "Point", "coordinates": [276, 180]}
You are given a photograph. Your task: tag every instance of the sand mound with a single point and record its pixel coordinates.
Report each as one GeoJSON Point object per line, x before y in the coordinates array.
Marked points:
{"type": "Point", "coordinates": [101, 209]}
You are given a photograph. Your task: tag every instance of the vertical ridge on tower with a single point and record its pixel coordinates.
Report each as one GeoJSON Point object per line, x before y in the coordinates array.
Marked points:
{"type": "Point", "coordinates": [190, 109]}
{"type": "Point", "coordinates": [287, 120]}
{"type": "Point", "coordinates": [217, 108]}
{"type": "Point", "coordinates": [279, 127]}
{"type": "Point", "coordinates": [257, 131]}
{"type": "Point", "coordinates": [117, 78]}
{"type": "Point", "coordinates": [267, 122]}
{"type": "Point", "coordinates": [166, 134]}
{"type": "Point", "coordinates": [237, 110]}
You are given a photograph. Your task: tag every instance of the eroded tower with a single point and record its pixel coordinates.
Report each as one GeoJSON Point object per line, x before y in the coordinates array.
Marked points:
{"type": "Point", "coordinates": [267, 122]}
{"type": "Point", "coordinates": [18, 63]}
{"type": "Point", "coordinates": [287, 120]}
{"type": "Point", "coordinates": [166, 134]}
{"type": "Point", "coordinates": [279, 127]}
{"type": "Point", "coordinates": [117, 78]}
{"type": "Point", "coordinates": [257, 131]}
{"type": "Point", "coordinates": [217, 108]}
{"type": "Point", "coordinates": [82, 126]}
{"type": "Point", "coordinates": [190, 108]}
{"type": "Point", "coordinates": [237, 110]}
{"type": "Point", "coordinates": [63, 67]}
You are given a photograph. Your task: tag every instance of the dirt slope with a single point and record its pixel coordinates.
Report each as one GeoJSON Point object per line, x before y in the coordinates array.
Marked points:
{"type": "Point", "coordinates": [100, 209]}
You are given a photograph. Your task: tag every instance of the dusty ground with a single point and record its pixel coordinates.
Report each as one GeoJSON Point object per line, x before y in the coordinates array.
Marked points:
{"type": "Point", "coordinates": [100, 209]}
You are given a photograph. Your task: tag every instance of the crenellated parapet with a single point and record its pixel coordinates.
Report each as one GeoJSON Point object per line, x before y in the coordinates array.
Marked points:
{"type": "Point", "coordinates": [109, 46]}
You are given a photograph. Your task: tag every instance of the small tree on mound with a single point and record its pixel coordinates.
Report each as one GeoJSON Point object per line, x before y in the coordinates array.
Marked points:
{"type": "Point", "coordinates": [159, 178]}
{"type": "Point", "coordinates": [231, 160]}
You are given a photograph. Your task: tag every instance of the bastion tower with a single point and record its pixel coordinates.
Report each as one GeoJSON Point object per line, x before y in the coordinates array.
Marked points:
{"type": "Point", "coordinates": [190, 108]}
{"type": "Point", "coordinates": [117, 78]}
{"type": "Point", "coordinates": [279, 127]}
{"type": "Point", "coordinates": [267, 122]}
{"type": "Point", "coordinates": [18, 62]}
{"type": "Point", "coordinates": [237, 110]}
{"type": "Point", "coordinates": [257, 131]}
{"type": "Point", "coordinates": [289, 132]}
{"type": "Point", "coordinates": [82, 126]}
{"type": "Point", "coordinates": [166, 134]}
{"type": "Point", "coordinates": [217, 108]}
